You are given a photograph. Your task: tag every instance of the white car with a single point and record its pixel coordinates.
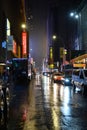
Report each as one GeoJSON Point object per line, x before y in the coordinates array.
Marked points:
{"type": "Point", "coordinates": [79, 79]}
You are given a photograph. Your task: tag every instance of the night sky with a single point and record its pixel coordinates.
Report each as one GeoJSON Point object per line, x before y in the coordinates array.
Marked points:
{"type": "Point", "coordinates": [38, 25]}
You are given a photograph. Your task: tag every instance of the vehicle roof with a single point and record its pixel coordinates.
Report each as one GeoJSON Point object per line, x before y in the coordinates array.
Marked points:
{"type": "Point", "coordinates": [57, 73]}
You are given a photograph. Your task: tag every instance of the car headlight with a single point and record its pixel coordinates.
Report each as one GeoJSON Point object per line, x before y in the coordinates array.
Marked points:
{"type": "Point", "coordinates": [66, 80]}
{"type": "Point", "coordinates": [55, 77]}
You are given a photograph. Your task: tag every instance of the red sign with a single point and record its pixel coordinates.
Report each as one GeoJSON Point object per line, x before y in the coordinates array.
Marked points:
{"type": "Point", "coordinates": [24, 43]}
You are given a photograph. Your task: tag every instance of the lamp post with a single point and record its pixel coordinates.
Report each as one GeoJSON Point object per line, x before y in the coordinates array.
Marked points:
{"type": "Point", "coordinates": [54, 37]}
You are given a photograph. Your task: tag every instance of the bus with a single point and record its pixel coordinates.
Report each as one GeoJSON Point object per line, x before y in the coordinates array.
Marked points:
{"type": "Point", "coordinates": [21, 68]}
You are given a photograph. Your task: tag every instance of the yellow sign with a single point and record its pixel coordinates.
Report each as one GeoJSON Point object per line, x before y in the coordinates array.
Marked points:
{"type": "Point", "coordinates": [79, 65]}
{"type": "Point", "coordinates": [61, 52]}
{"type": "Point", "coordinates": [64, 51]}
{"type": "Point", "coordinates": [51, 66]}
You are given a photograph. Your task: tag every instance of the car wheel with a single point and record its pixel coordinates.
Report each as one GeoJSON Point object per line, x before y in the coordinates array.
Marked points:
{"type": "Point", "coordinates": [74, 87]}
{"type": "Point", "coordinates": [83, 90]}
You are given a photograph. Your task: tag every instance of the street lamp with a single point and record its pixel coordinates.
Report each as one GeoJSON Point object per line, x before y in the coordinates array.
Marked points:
{"type": "Point", "coordinates": [23, 26]}
{"type": "Point", "coordinates": [54, 37]}
{"type": "Point", "coordinates": [71, 14]}
{"type": "Point", "coordinates": [74, 15]}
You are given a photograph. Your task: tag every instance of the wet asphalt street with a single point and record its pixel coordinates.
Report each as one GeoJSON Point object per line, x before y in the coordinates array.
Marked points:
{"type": "Point", "coordinates": [41, 105]}
{"type": "Point", "coordinates": [67, 110]}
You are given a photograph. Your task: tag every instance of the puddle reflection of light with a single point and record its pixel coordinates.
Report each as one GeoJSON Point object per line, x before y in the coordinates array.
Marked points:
{"type": "Point", "coordinates": [66, 100]}
{"type": "Point", "coordinates": [62, 92]}
{"type": "Point", "coordinates": [56, 120]}
{"type": "Point", "coordinates": [55, 92]}
{"type": "Point", "coordinates": [38, 82]}
{"type": "Point", "coordinates": [55, 115]}
{"type": "Point", "coordinates": [46, 80]}
{"type": "Point", "coordinates": [46, 88]}
{"type": "Point", "coordinates": [66, 94]}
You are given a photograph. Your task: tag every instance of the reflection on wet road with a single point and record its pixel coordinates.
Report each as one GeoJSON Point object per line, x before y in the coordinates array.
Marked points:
{"type": "Point", "coordinates": [41, 105]}
{"type": "Point", "coordinates": [18, 107]}
{"type": "Point", "coordinates": [65, 109]}
{"type": "Point", "coordinates": [4, 105]}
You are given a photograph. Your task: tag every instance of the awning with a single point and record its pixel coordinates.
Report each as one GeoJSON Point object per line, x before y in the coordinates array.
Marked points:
{"type": "Point", "coordinates": [79, 58]}
{"type": "Point", "coordinates": [65, 62]}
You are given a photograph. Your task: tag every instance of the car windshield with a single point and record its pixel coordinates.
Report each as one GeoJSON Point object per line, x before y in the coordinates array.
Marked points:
{"type": "Point", "coordinates": [68, 73]}
{"type": "Point", "coordinates": [85, 72]}
{"type": "Point", "coordinates": [58, 74]}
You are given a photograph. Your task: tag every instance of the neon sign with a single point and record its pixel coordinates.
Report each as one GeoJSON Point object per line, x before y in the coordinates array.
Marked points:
{"type": "Point", "coordinates": [24, 43]}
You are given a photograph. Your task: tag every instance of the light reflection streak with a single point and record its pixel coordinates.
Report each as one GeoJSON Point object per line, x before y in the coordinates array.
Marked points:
{"type": "Point", "coordinates": [56, 120]}
{"type": "Point", "coordinates": [55, 109]}
{"type": "Point", "coordinates": [46, 88]}
{"type": "Point", "coordinates": [38, 82]}
{"type": "Point", "coordinates": [66, 95]}
{"type": "Point", "coordinates": [62, 92]}
{"type": "Point", "coordinates": [53, 96]}
{"type": "Point", "coordinates": [66, 100]}
{"type": "Point", "coordinates": [55, 93]}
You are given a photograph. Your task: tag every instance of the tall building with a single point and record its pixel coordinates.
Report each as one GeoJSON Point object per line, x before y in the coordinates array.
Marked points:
{"type": "Point", "coordinates": [80, 38]}
{"type": "Point", "coordinates": [12, 16]}
{"type": "Point", "coordinates": [82, 26]}
{"type": "Point", "coordinates": [61, 25]}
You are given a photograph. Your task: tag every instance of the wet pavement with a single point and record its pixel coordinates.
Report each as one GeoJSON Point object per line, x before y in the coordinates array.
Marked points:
{"type": "Point", "coordinates": [25, 107]}
{"type": "Point", "coordinates": [67, 109]}
{"type": "Point", "coordinates": [41, 105]}
{"type": "Point", "coordinates": [36, 115]}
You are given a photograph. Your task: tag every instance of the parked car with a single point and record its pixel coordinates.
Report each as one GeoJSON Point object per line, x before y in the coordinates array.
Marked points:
{"type": "Point", "coordinates": [58, 77]}
{"type": "Point", "coordinates": [79, 80]}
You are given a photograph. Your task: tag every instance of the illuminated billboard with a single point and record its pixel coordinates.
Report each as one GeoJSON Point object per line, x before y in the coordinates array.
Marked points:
{"type": "Point", "coordinates": [24, 44]}
{"type": "Point", "coordinates": [8, 27]}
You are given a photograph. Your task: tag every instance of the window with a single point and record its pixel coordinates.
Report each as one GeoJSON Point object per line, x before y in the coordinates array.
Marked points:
{"type": "Point", "coordinates": [85, 72]}
{"type": "Point", "coordinates": [76, 72]}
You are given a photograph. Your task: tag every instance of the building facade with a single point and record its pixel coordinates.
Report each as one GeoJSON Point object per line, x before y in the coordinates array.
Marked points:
{"type": "Point", "coordinates": [12, 16]}
{"type": "Point", "coordinates": [80, 41]}
{"type": "Point", "coordinates": [83, 28]}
